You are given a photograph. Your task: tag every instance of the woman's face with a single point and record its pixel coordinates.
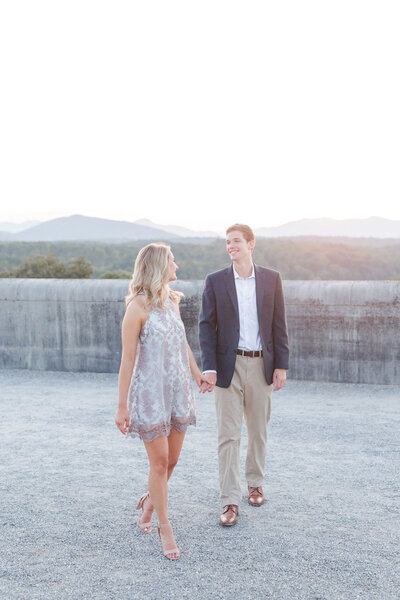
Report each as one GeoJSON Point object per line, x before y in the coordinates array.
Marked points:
{"type": "Point", "coordinates": [173, 267]}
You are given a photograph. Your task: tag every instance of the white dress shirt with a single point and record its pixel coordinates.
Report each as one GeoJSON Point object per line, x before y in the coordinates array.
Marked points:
{"type": "Point", "coordinates": [249, 332]}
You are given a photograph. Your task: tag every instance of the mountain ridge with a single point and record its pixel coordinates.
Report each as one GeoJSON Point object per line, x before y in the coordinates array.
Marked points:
{"type": "Point", "coordinates": [85, 228]}
{"type": "Point", "coordinates": [378, 227]}
{"type": "Point", "coordinates": [80, 227]}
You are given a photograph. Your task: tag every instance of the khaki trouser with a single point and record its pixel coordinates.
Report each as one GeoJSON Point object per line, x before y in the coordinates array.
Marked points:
{"type": "Point", "coordinates": [248, 394]}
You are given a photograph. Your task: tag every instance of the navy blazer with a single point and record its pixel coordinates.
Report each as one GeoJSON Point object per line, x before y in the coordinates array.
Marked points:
{"type": "Point", "coordinates": [219, 323]}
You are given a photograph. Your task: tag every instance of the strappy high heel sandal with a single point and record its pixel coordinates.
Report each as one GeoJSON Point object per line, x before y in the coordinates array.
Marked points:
{"type": "Point", "coordinates": [168, 542]}
{"type": "Point", "coordinates": [145, 527]}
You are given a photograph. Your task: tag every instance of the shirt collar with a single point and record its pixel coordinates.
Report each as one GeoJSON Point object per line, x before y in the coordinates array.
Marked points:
{"type": "Point", "coordinates": [237, 276]}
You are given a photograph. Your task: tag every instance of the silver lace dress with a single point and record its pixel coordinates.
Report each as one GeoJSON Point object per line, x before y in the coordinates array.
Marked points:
{"type": "Point", "coordinates": [161, 395]}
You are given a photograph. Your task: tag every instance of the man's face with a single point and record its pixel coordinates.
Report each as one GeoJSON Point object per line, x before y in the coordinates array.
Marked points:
{"type": "Point", "coordinates": [237, 247]}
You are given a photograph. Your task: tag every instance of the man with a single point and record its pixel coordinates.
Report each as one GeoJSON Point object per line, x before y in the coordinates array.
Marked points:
{"type": "Point", "coordinates": [245, 353]}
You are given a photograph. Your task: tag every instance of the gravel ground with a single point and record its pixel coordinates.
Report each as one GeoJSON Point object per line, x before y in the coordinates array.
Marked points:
{"type": "Point", "coordinates": [69, 485]}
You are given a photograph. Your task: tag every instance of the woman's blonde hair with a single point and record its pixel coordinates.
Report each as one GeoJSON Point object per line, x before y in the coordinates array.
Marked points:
{"type": "Point", "coordinates": [151, 276]}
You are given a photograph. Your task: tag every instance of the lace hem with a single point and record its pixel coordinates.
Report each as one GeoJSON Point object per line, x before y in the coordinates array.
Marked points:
{"type": "Point", "coordinates": [149, 434]}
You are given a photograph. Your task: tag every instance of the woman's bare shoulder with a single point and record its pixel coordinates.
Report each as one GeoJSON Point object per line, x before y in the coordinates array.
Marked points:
{"type": "Point", "coordinates": [137, 307]}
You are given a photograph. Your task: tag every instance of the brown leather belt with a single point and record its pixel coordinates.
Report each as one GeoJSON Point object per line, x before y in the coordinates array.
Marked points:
{"type": "Point", "coordinates": [251, 353]}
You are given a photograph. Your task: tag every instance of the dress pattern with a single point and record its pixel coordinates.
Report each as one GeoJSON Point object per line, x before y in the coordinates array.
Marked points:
{"type": "Point", "coordinates": [161, 395]}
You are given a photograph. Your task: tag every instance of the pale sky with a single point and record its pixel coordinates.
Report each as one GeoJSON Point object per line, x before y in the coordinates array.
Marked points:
{"type": "Point", "coordinates": [200, 113]}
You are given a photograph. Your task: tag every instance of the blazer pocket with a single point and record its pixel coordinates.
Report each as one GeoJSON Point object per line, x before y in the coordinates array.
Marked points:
{"type": "Point", "coordinates": [221, 349]}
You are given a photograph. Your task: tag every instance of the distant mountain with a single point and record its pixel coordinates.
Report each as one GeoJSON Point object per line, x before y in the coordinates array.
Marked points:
{"type": "Point", "coordinates": [79, 227]}
{"type": "Point", "coordinates": [374, 227]}
{"type": "Point", "coordinates": [15, 227]}
{"type": "Point", "coordinates": [181, 231]}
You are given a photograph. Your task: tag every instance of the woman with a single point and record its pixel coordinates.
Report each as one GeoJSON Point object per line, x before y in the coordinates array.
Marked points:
{"type": "Point", "coordinates": [160, 394]}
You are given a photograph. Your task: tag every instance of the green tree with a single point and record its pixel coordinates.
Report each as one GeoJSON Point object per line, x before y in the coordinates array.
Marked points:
{"type": "Point", "coordinates": [50, 266]}
{"type": "Point", "coordinates": [296, 258]}
{"type": "Point", "coordinates": [41, 267]}
{"type": "Point", "coordinates": [116, 275]}
{"type": "Point", "coordinates": [79, 268]}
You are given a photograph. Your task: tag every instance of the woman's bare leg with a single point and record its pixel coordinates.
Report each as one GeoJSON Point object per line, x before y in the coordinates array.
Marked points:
{"type": "Point", "coordinates": [175, 441]}
{"type": "Point", "coordinates": [163, 455]}
{"type": "Point", "coordinates": [157, 451]}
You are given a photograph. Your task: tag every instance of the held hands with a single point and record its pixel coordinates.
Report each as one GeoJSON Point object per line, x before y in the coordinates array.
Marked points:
{"type": "Point", "coordinates": [122, 420]}
{"type": "Point", "coordinates": [209, 380]}
{"type": "Point", "coordinates": [204, 382]}
{"type": "Point", "coordinates": [278, 379]}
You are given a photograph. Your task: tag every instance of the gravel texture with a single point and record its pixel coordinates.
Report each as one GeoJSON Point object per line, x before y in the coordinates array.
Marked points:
{"type": "Point", "coordinates": [69, 483]}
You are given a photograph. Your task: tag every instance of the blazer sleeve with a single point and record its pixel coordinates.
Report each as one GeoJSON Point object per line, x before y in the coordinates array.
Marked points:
{"type": "Point", "coordinates": [279, 329]}
{"type": "Point", "coordinates": [208, 328]}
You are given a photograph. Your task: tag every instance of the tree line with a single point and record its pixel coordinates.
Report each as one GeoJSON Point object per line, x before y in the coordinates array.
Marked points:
{"type": "Point", "coordinates": [295, 258]}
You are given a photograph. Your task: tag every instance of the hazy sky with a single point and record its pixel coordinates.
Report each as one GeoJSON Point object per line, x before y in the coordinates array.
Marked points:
{"type": "Point", "coordinates": [200, 113]}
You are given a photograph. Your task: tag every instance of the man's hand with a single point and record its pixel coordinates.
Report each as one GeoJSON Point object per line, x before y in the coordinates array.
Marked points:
{"type": "Point", "coordinates": [205, 386]}
{"type": "Point", "coordinates": [210, 379]}
{"type": "Point", "coordinates": [202, 383]}
{"type": "Point", "coordinates": [278, 379]}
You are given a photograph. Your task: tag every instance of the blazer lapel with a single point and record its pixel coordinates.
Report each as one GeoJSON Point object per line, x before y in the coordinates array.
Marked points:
{"type": "Point", "coordinates": [231, 288]}
{"type": "Point", "coordinates": [259, 290]}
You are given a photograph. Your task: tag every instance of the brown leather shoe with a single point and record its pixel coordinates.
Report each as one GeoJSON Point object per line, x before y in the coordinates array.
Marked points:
{"type": "Point", "coordinates": [256, 496]}
{"type": "Point", "coordinates": [229, 515]}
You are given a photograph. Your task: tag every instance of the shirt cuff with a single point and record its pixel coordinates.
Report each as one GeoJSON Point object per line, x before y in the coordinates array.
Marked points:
{"type": "Point", "coordinates": [209, 371]}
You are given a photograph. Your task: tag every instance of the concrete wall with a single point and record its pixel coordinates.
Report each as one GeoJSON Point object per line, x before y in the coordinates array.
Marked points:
{"type": "Point", "coordinates": [339, 331]}
{"type": "Point", "coordinates": [344, 330]}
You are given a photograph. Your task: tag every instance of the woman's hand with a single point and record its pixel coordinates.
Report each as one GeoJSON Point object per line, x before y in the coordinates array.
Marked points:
{"type": "Point", "coordinates": [122, 420]}
{"type": "Point", "coordinates": [210, 379]}
{"type": "Point", "coordinates": [205, 386]}
{"type": "Point", "coordinates": [201, 382]}
{"type": "Point", "coordinates": [197, 377]}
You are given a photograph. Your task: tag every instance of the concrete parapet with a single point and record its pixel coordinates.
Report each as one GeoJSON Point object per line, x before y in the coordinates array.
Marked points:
{"type": "Point", "coordinates": [344, 330]}
{"type": "Point", "coordinates": [339, 330]}
{"type": "Point", "coordinates": [72, 324]}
